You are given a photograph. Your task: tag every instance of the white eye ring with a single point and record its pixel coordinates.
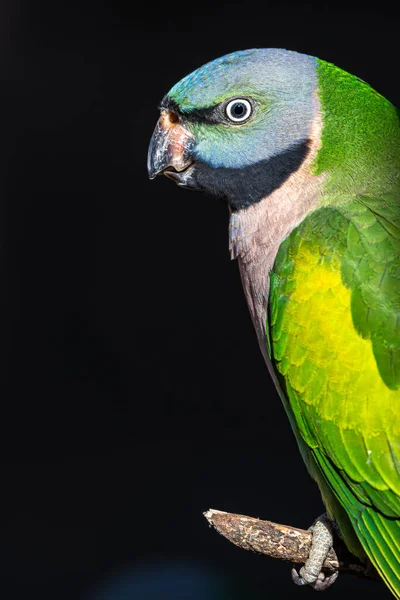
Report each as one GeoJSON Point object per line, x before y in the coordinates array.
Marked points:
{"type": "Point", "coordinates": [238, 110]}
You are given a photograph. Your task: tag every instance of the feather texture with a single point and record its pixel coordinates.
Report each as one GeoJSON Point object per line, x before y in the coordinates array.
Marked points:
{"type": "Point", "coordinates": [334, 309]}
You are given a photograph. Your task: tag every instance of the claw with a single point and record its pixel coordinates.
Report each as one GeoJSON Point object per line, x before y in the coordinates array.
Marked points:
{"type": "Point", "coordinates": [311, 573]}
{"type": "Point", "coordinates": [297, 579]}
{"type": "Point", "coordinates": [320, 584]}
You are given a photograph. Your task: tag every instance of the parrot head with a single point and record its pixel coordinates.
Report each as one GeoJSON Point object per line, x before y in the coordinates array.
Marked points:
{"type": "Point", "coordinates": [237, 127]}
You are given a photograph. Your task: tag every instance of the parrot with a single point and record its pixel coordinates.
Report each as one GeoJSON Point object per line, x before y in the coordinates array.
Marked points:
{"type": "Point", "coordinates": [307, 158]}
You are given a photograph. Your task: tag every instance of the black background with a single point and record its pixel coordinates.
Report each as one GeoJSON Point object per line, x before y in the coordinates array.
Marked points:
{"type": "Point", "coordinates": [137, 396]}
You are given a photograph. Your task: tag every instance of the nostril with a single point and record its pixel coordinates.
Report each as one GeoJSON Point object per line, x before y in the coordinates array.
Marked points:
{"type": "Point", "coordinates": [173, 117]}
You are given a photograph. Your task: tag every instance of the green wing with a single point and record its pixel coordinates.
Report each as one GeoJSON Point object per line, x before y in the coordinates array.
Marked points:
{"type": "Point", "coordinates": [334, 327]}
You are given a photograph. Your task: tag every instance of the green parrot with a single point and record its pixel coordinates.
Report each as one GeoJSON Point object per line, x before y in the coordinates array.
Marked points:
{"type": "Point", "coordinates": [307, 157]}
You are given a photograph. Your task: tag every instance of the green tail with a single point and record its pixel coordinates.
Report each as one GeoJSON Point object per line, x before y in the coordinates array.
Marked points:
{"type": "Point", "coordinates": [380, 537]}
{"type": "Point", "coordinates": [378, 534]}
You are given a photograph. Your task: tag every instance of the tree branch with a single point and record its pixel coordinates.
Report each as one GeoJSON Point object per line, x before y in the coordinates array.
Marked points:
{"type": "Point", "coordinates": [284, 542]}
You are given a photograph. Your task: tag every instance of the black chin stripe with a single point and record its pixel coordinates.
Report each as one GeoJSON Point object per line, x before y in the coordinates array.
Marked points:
{"type": "Point", "coordinates": [247, 186]}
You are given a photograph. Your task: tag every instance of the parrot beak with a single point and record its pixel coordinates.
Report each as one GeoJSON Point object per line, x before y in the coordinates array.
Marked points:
{"type": "Point", "coordinates": [170, 150]}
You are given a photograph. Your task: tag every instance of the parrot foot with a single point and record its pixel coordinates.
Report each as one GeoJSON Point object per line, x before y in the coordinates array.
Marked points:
{"type": "Point", "coordinates": [322, 541]}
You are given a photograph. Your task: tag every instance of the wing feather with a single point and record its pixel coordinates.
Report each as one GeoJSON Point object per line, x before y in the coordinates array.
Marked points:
{"type": "Point", "coordinates": [335, 337]}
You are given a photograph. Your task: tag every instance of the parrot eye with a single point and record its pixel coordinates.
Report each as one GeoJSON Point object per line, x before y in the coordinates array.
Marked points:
{"type": "Point", "coordinates": [238, 110]}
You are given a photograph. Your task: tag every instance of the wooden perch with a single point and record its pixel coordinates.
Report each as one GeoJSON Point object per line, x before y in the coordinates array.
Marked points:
{"type": "Point", "coordinates": [284, 542]}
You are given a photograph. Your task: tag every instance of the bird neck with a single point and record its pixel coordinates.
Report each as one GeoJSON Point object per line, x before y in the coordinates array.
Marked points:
{"type": "Point", "coordinates": [255, 233]}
